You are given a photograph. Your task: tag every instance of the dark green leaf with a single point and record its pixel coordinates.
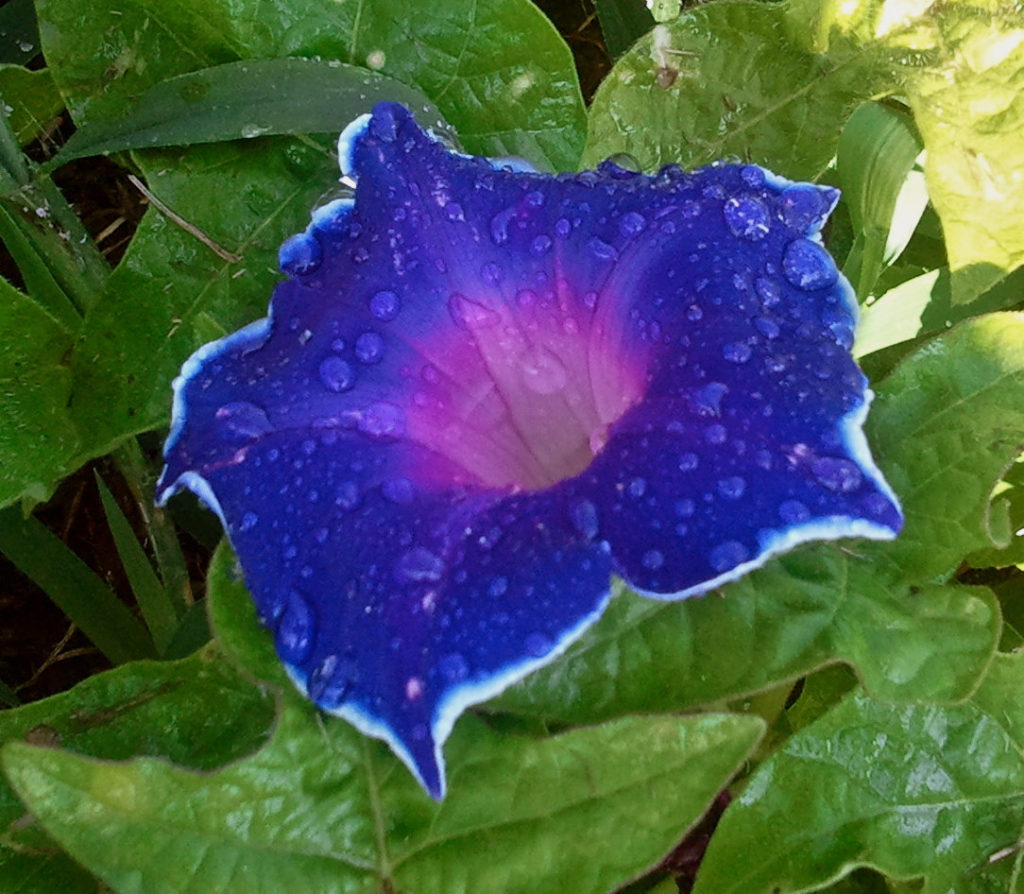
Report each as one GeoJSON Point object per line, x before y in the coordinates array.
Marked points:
{"type": "Point", "coordinates": [19, 32]}
{"type": "Point", "coordinates": [31, 96]}
{"type": "Point", "coordinates": [37, 437]}
{"type": "Point", "coordinates": [623, 22]}
{"type": "Point", "coordinates": [68, 581]}
{"type": "Point", "coordinates": [242, 100]}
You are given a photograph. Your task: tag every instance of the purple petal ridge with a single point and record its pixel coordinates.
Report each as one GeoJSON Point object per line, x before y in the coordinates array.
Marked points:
{"type": "Point", "coordinates": [482, 390]}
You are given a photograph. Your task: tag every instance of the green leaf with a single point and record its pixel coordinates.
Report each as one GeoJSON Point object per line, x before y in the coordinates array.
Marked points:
{"type": "Point", "coordinates": [73, 587]}
{"type": "Point", "coordinates": [945, 425]}
{"type": "Point", "coordinates": [726, 80]}
{"type": "Point", "coordinates": [155, 604]}
{"type": "Point", "coordinates": [970, 111]}
{"type": "Point", "coordinates": [623, 23]}
{"type": "Point", "coordinates": [923, 305]}
{"type": "Point", "coordinates": [322, 804]}
{"type": "Point", "coordinates": [161, 709]}
{"type": "Point", "coordinates": [910, 790]}
{"type": "Point", "coordinates": [31, 95]}
{"type": "Point", "coordinates": [242, 100]}
{"type": "Point", "coordinates": [1009, 498]}
{"type": "Point", "coordinates": [37, 437]}
{"type": "Point", "coordinates": [811, 607]}
{"type": "Point", "coordinates": [171, 293]}
{"type": "Point", "coordinates": [885, 196]}
{"type": "Point", "coordinates": [497, 69]}
{"type": "Point", "coordinates": [19, 32]}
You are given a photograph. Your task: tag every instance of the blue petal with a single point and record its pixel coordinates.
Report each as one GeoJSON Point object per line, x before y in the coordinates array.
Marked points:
{"type": "Point", "coordinates": [481, 390]}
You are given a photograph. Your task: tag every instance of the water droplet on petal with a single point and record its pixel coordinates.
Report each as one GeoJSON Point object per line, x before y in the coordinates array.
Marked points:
{"type": "Point", "coordinates": [690, 208]}
{"type": "Point", "coordinates": [542, 371]}
{"type": "Point", "coordinates": [637, 487]}
{"type": "Point", "coordinates": [336, 374]}
{"type": "Point", "coordinates": [728, 555]}
{"type": "Point", "coordinates": [382, 420]}
{"type": "Point", "coordinates": [562, 227]}
{"type": "Point", "coordinates": [385, 305]}
{"type": "Point", "coordinates": [418, 565]}
{"type": "Point", "coordinates": [584, 518]}
{"type": "Point", "coordinates": [249, 521]}
{"type": "Point", "coordinates": [453, 211]}
{"type": "Point", "coordinates": [802, 207]}
{"type": "Point", "coordinates": [299, 255]}
{"type": "Point", "coordinates": [369, 347]}
{"type": "Point", "coordinates": [601, 249]}
{"type": "Point", "coordinates": [538, 645]}
{"type": "Point", "coordinates": [453, 668]}
{"type": "Point", "coordinates": [715, 434]}
{"type": "Point", "coordinates": [707, 399]}
{"type": "Point", "coordinates": [295, 630]}
{"type": "Point", "coordinates": [499, 225]}
{"type": "Point", "coordinates": [747, 217]}
{"type": "Point", "coordinates": [752, 175]}
{"type": "Point", "coordinates": [632, 224]}
{"type": "Point", "coordinates": [808, 266]}
{"type": "Point", "coordinates": [732, 488]}
{"type": "Point", "coordinates": [653, 559]}
{"type": "Point", "coordinates": [793, 512]}
{"type": "Point", "coordinates": [736, 352]}
{"type": "Point", "coordinates": [491, 273]}
{"type": "Point", "coordinates": [768, 291]}
{"type": "Point", "coordinates": [767, 327]}
{"type": "Point", "coordinates": [347, 496]}
{"type": "Point", "coordinates": [836, 474]}
{"type": "Point", "coordinates": [330, 681]}
{"type": "Point", "coordinates": [241, 421]}
{"type": "Point", "coordinates": [540, 246]}
{"type": "Point", "coordinates": [688, 462]}
{"type": "Point", "coordinates": [497, 587]}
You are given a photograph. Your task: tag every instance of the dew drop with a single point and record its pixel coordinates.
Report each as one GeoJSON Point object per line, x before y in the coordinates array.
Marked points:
{"type": "Point", "coordinates": [542, 371]}
{"type": "Point", "coordinates": [728, 555]}
{"type": "Point", "coordinates": [793, 512]}
{"type": "Point", "coordinates": [453, 668]}
{"type": "Point", "coordinates": [453, 212]}
{"type": "Point", "coordinates": [707, 400]}
{"type": "Point", "coordinates": [249, 521]}
{"type": "Point", "coordinates": [802, 208]}
{"type": "Point", "coordinates": [752, 175]}
{"type": "Point", "coordinates": [491, 273]}
{"type": "Point", "coordinates": [295, 630]}
{"type": "Point", "coordinates": [336, 374]}
{"type": "Point", "coordinates": [736, 352]}
{"type": "Point", "coordinates": [715, 434]}
{"type": "Point", "coordinates": [653, 559]}
{"type": "Point", "coordinates": [601, 249]}
{"type": "Point", "coordinates": [419, 565]}
{"type": "Point", "coordinates": [299, 255]}
{"type": "Point", "coordinates": [732, 488]}
{"type": "Point", "coordinates": [540, 246]}
{"type": "Point", "coordinates": [768, 291]}
{"type": "Point", "coordinates": [685, 508]}
{"type": "Point", "coordinates": [637, 487]}
{"type": "Point", "coordinates": [632, 224]}
{"type": "Point", "coordinates": [497, 587]}
{"type": "Point", "coordinates": [688, 462]}
{"type": "Point", "coordinates": [241, 421]}
{"type": "Point", "coordinates": [747, 217]}
{"type": "Point", "coordinates": [330, 682]}
{"type": "Point", "coordinates": [382, 420]}
{"type": "Point", "coordinates": [807, 265]}
{"type": "Point", "coordinates": [385, 305]}
{"type": "Point", "coordinates": [348, 495]}
{"type": "Point", "coordinates": [538, 645]}
{"type": "Point", "coordinates": [767, 327]}
{"type": "Point", "coordinates": [690, 208]}
{"type": "Point", "coordinates": [499, 225]}
{"type": "Point", "coordinates": [562, 227]}
{"type": "Point", "coordinates": [836, 474]}
{"type": "Point", "coordinates": [584, 518]}
{"type": "Point", "coordinates": [413, 689]}
{"type": "Point", "coordinates": [369, 347]}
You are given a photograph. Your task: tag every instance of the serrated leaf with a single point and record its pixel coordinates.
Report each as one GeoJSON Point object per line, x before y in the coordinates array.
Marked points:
{"type": "Point", "coordinates": [497, 69]}
{"type": "Point", "coordinates": [243, 100]}
{"type": "Point", "coordinates": [147, 708]}
{"type": "Point", "coordinates": [945, 424]}
{"type": "Point", "coordinates": [726, 80]}
{"type": "Point", "coordinates": [322, 808]}
{"type": "Point", "coordinates": [911, 790]}
{"type": "Point", "coordinates": [37, 437]}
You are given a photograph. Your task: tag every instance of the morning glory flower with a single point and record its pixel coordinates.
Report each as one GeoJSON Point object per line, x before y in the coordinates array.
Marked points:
{"type": "Point", "coordinates": [482, 391]}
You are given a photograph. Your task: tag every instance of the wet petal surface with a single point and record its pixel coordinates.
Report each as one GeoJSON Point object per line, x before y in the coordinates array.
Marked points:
{"type": "Point", "coordinates": [480, 392]}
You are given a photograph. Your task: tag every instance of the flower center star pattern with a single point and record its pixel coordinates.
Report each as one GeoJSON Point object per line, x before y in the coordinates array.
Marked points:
{"type": "Point", "coordinates": [483, 391]}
